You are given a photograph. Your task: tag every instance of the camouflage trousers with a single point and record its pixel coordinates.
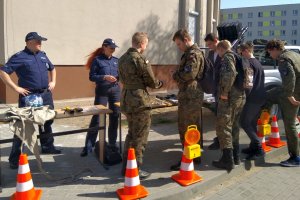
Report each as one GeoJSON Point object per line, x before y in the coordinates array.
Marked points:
{"type": "Point", "coordinates": [289, 113]}
{"type": "Point", "coordinates": [189, 113]}
{"type": "Point", "coordinates": [228, 117]}
{"type": "Point", "coordinates": [138, 131]}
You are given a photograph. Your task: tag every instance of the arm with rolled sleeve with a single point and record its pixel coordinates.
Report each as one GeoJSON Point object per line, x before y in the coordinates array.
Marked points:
{"type": "Point", "coordinates": [288, 77]}
{"type": "Point", "coordinates": [194, 64]}
{"type": "Point", "coordinates": [147, 73]}
{"type": "Point", "coordinates": [227, 75]}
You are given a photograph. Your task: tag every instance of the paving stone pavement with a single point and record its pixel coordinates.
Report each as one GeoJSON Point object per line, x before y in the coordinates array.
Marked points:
{"type": "Point", "coordinates": [268, 182]}
{"type": "Point", "coordinates": [89, 180]}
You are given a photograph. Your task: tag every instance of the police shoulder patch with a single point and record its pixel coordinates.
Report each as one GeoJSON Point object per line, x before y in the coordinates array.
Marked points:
{"type": "Point", "coordinates": [283, 71]}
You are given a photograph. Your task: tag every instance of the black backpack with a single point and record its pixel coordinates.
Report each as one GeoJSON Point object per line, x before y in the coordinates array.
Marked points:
{"type": "Point", "coordinates": [111, 157]}
{"type": "Point", "coordinates": [207, 81]}
{"type": "Point", "coordinates": [244, 78]}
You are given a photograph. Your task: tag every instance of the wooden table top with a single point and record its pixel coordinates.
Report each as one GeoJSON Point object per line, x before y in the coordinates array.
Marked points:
{"type": "Point", "coordinates": [87, 110]}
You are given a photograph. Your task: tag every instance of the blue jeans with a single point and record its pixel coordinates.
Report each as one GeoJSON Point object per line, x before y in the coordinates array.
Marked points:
{"type": "Point", "coordinates": [46, 143]}
{"type": "Point", "coordinates": [104, 95]}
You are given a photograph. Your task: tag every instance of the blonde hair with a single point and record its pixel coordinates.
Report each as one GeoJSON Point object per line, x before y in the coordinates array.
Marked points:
{"type": "Point", "coordinates": [138, 38]}
{"type": "Point", "coordinates": [224, 44]}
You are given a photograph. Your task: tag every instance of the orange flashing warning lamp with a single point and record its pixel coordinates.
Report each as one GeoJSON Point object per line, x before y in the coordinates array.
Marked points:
{"type": "Point", "coordinates": [192, 136]}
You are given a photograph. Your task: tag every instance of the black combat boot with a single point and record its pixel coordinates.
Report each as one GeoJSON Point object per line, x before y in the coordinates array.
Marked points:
{"type": "Point", "coordinates": [215, 145]}
{"type": "Point", "coordinates": [257, 153]}
{"type": "Point", "coordinates": [226, 161]}
{"type": "Point", "coordinates": [236, 154]}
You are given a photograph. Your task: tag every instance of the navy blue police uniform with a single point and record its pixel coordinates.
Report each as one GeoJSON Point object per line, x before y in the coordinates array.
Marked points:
{"type": "Point", "coordinates": [105, 92]}
{"type": "Point", "coordinates": [32, 71]}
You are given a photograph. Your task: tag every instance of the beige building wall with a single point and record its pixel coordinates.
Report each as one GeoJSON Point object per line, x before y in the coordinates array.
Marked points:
{"type": "Point", "coordinates": [75, 27]}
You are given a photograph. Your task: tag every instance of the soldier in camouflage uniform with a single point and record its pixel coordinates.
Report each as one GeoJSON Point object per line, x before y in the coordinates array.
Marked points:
{"type": "Point", "coordinates": [287, 96]}
{"type": "Point", "coordinates": [136, 74]}
{"type": "Point", "coordinates": [190, 95]}
{"type": "Point", "coordinates": [231, 102]}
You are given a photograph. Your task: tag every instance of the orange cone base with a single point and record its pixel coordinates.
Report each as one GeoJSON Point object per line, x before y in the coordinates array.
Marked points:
{"type": "Point", "coordinates": [38, 194]}
{"type": "Point", "coordinates": [142, 192]}
{"type": "Point", "coordinates": [178, 178]}
{"type": "Point", "coordinates": [276, 145]}
{"type": "Point", "coordinates": [267, 149]}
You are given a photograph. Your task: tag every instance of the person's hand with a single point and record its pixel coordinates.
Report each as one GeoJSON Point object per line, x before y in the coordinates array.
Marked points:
{"type": "Point", "coordinates": [224, 97]}
{"type": "Point", "coordinates": [51, 85]}
{"type": "Point", "coordinates": [110, 78]}
{"type": "Point", "coordinates": [294, 101]}
{"type": "Point", "coordinates": [22, 91]}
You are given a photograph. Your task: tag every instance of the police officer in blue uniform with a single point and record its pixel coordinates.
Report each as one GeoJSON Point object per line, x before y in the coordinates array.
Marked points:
{"type": "Point", "coordinates": [32, 67]}
{"type": "Point", "coordinates": [103, 68]}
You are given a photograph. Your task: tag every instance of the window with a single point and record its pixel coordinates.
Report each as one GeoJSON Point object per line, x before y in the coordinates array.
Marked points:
{"type": "Point", "coordinates": [260, 14]}
{"type": "Point", "coordinates": [229, 16]}
{"type": "Point", "coordinates": [282, 32]}
{"type": "Point", "coordinates": [295, 12]}
{"type": "Point", "coordinates": [259, 33]}
{"type": "Point", "coordinates": [294, 32]}
{"type": "Point", "coordinates": [272, 23]}
{"type": "Point", "coordinates": [272, 13]}
{"type": "Point", "coordinates": [271, 33]}
{"type": "Point", "coordinates": [250, 15]}
{"type": "Point", "coordinates": [240, 15]}
{"type": "Point", "coordinates": [283, 13]}
{"type": "Point", "coordinates": [294, 42]}
{"type": "Point", "coordinates": [249, 34]}
{"type": "Point", "coordinates": [249, 24]}
{"type": "Point", "coordinates": [259, 23]}
{"type": "Point", "coordinates": [294, 22]}
{"type": "Point", "coordinates": [283, 22]}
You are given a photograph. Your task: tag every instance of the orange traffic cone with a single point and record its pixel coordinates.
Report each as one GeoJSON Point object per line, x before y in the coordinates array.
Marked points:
{"type": "Point", "coordinates": [132, 188]}
{"type": "Point", "coordinates": [25, 189]}
{"type": "Point", "coordinates": [274, 139]}
{"type": "Point", "coordinates": [261, 138]}
{"type": "Point", "coordinates": [186, 175]}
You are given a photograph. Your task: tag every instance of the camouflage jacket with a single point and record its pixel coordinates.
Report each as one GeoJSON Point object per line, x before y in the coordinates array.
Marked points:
{"type": "Point", "coordinates": [191, 66]}
{"type": "Point", "coordinates": [227, 74]}
{"type": "Point", "coordinates": [289, 68]}
{"type": "Point", "coordinates": [135, 73]}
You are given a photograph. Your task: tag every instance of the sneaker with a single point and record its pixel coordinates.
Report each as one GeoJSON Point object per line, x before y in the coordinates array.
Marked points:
{"type": "Point", "coordinates": [254, 155]}
{"type": "Point", "coordinates": [291, 162]}
{"type": "Point", "coordinates": [215, 145]}
{"type": "Point", "coordinates": [51, 150]}
{"type": "Point", "coordinates": [176, 166]}
{"type": "Point", "coordinates": [143, 174]}
{"type": "Point", "coordinates": [13, 165]}
{"type": "Point", "coordinates": [84, 152]}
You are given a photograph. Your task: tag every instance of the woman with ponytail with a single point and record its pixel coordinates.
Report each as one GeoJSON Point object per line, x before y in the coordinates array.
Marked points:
{"type": "Point", "coordinates": [103, 68]}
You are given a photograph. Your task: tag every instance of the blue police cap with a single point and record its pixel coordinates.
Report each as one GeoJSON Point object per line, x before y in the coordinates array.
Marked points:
{"type": "Point", "coordinates": [109, 42]}
{"type": "Point", "coordinates": [34, 36]}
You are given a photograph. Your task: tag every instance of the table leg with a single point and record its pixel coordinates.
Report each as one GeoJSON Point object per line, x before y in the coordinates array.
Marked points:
{"type": "Point", "coordinates": [201, 129]}
{"type": "Point", "coordinates": [120, 132]}
{"type": "Point", "coordinates": [102, 137]}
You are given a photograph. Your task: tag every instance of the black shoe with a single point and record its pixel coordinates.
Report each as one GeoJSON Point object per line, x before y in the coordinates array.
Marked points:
{"type": "Point", "coordinates": [13, 165]}
{"type": "Point", "coordinates": [176, 166]}
{"type": "Point", "coordinates": [84, 152]}
{"type": "Point", "coordinates": [236, 155]}
{"type": "Point", "coordinates": [197, 160]}
{"type": "Point", "coordinates": [215, 145]}
{"type": "Point", "coordinates": [51, 150]}
{"type": "Point", "coordinates": [113, 147]}
{"type": "Point", "coordinates": [226, 161]}
{"type": "Point", "coordinates": [254, 155]}
{"type": "Point", "coordinates": [143, 174]}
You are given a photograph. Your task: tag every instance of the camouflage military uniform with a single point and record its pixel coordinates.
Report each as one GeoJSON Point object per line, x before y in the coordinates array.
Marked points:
{"type": "Point", "coordinates": [136, 74]}
{"type": "Point", "coordinates": [190, 95]}
{"type": "Point", "coordinates": [229, 111]}
{"type": "Point", "coordinates": [289, 68]}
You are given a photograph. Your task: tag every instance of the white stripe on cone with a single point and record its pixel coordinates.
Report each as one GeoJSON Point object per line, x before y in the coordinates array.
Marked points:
{"type": "Point", "coordinates": [23, 169]}
{"type": "Point", "coordinates": [131, 164]}
{"type": "Point", "coordinates": [263, 140]}
{"type": "Point", "coordinates": [130, 182]}
{"type": "Point", "coordinates": [187, 166]}
{"type": "Point", "coordinates": [23, 187]}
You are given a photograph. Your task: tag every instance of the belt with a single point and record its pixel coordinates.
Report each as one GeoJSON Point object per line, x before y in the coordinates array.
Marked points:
{"type": "Point", "coordinates": [39, 90]}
